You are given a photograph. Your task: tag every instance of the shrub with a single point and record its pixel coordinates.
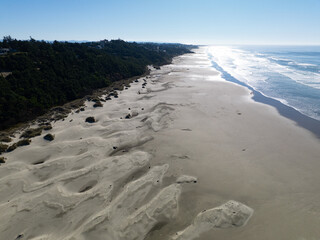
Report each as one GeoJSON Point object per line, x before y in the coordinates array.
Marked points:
{"type": "Point", "coordinates": [32, 132]}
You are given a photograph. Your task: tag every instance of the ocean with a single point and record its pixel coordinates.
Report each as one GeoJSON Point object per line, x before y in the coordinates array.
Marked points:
{"type": "Point", "coordinates": [288, 74]}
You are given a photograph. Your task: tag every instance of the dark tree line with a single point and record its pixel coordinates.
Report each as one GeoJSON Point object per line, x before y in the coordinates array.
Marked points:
{"type": "Point", "coordinates": [45, 74]}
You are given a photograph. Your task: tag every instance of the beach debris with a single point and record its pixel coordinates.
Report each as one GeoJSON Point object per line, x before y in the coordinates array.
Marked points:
{"type": "Point", "coordinates": [20, 236]}
{"type": "Point", "coordinates": [180, 156]}
{"type": "Point", "coordinates": [144, 119]}
{"type": "Point", "coordinates": [186, 129]}
{"type": "Point", "coordinates": [186, 179]}
{"type": "Point", "coordinates": [90, 120]}
{"type": "Point", "coordinates": [128, 116]}
{"type": "Point", "coordinates": [38, 162]}
{"type": "Point", "coordinates": [228, 215]}
{"type": "Point", "coordinates": [49, 137]}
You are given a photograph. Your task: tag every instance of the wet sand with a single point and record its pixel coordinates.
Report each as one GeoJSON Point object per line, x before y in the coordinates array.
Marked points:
{"type": "Point", "coordinates": [301, 120]}
{"type": "Point", "coordinates": [192, 142]}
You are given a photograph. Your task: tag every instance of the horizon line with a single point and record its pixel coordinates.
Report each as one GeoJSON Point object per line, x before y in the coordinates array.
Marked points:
{"type": "Point", "coordinates": [175, 42]}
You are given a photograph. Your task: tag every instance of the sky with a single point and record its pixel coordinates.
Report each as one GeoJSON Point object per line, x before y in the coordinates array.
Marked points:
{"type": "Point", "coordinates": [284, 22]}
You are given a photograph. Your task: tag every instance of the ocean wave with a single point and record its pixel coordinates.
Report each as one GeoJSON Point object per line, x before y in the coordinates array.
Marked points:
{"type": "Point", "coordinates": [281, 78]}
{"type": "Point", "coordinates": [253, 67]}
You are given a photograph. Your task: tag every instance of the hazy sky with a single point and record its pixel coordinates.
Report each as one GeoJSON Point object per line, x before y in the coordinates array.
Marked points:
{"type": "Point", "coordinates": [186, 21]}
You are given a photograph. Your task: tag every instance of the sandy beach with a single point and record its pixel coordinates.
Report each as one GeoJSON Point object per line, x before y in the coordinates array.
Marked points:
{"type": "Point", "coordinates": [186, 156]}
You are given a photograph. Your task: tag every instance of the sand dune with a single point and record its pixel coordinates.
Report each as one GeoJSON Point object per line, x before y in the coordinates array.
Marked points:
{"type": "Point", "coordinates": [158, 161]}
{"type": "Point", "coordinates": [228, 215]}
{"type": "Point", "coordinates": [91, 181]}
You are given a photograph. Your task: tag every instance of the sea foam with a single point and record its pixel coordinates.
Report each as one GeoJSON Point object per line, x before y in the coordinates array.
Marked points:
{"type": "Point", "coordinates": [286, 75]}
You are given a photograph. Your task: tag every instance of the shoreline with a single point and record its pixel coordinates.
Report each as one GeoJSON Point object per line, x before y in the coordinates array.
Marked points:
{"type": "Point", "coordinates": [179, 148]}
{"type": "Point", "coordinates": [302, 120]}
{"type": "Point", "coordinates": [238, 149]}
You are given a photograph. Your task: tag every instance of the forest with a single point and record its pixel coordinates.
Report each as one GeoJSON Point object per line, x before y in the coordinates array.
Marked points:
{"type": "Point", "coordinates": [37, 75]}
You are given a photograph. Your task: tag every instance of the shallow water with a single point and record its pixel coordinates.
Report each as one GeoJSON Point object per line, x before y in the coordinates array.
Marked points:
{"type": "Point", "coordinates": [288, 74]}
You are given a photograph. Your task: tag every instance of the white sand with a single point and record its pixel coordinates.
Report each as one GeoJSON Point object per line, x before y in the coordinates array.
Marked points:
{"type": "Point", "coordinates": [194, 142]}
{"type": "Point", "coordinates": [230, 214]}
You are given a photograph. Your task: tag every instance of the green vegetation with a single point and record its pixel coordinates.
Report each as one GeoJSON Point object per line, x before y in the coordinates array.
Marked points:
{"type": "Point", "coordinates": [31, 132]}
{"type": "Point", "coordinates": [2, 160]}
{"type": "Point", "coordinates": [3, 148]}
{"type": "Point", "coordinates": [40, 75]}
{"type": "Point", "coordinates": [23, 142]}
{"type": "Point", "coordinates": [5, 139]}
{"type": "Point", "coordinates": [12, 147]}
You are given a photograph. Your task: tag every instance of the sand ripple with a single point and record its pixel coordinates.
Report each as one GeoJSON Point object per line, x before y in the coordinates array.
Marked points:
{"type": "Point", "coordinates": [94, 181]}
